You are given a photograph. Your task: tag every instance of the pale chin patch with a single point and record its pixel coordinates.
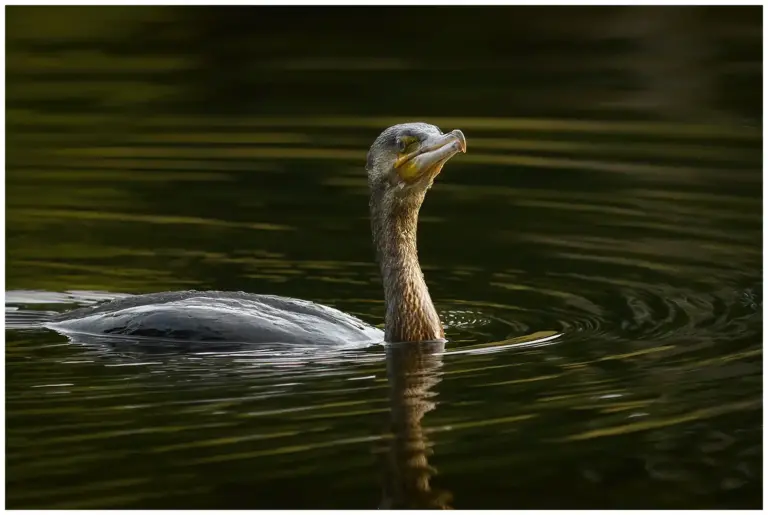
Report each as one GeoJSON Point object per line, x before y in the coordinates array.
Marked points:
{"type": "Point", "coordinates": [421, 184]}
{"type": "Point", "coordinates": [429, 177]}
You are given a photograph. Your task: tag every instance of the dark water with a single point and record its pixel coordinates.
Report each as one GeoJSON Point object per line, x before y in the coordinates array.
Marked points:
{"type": "Point", "coordinates": [611, 194]}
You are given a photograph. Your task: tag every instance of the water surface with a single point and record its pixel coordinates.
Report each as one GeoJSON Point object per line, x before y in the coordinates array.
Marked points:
{"type": "Point", "coordinates": [630, 229]}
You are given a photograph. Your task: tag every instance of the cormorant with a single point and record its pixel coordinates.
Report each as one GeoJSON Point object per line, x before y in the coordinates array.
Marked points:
{"type": "Point", "coordinates": [402, 163]}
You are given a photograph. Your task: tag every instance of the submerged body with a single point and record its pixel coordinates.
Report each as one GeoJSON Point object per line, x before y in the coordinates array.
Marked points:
{"type": "Point", "coordinates": [402, 163]}
{"type": "Point", "coordinates": [231, 317]}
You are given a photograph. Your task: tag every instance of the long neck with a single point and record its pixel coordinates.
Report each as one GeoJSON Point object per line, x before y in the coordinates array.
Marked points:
{"type": "Point", "coordinates": [410, 314]}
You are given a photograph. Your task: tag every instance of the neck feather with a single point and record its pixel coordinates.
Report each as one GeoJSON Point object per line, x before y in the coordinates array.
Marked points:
{"type": "Point", "coordinates": [410, 314]}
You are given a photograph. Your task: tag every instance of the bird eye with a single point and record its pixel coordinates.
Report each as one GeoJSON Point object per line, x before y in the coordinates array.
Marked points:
{"type": "Point", "coordinates": [406, 144]}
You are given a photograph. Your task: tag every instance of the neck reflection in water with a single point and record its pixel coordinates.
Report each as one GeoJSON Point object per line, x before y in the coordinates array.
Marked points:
{"type": "Point", "coordinates": [413, 370]}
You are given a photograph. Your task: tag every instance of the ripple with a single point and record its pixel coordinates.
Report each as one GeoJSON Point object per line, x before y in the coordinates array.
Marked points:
{"type": "Point", "coordinates": [602, 300]}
